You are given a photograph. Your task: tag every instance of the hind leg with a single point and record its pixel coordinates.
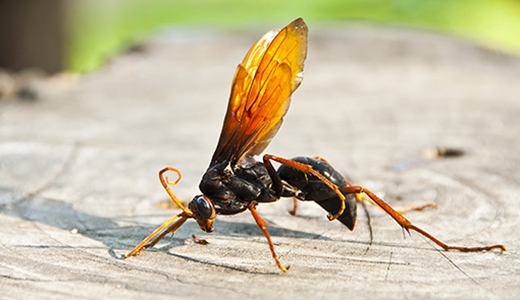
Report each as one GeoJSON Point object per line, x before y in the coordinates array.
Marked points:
{"type": "Point", "coordinates": [407, 225]}
{"type": "Point", "coordinates": [363, 197]}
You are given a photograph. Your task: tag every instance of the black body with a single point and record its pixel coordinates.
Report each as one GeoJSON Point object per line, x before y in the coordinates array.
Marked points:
{"type": "Point", "coordinates": [231, 191]}
{"type": "Point", "coordinates": [312, 188]}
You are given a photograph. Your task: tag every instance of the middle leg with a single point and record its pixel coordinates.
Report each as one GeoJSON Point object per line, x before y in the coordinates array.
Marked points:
{"type": "Point", "coordinates": [261, 224]}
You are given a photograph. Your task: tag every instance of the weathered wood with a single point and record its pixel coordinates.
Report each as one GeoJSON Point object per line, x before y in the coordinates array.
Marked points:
{"type": "Point", "coordinates": [79, 186]}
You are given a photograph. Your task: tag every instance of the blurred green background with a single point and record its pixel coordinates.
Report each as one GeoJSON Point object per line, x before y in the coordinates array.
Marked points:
{"type": "Point", "coordinates": [97, 29]}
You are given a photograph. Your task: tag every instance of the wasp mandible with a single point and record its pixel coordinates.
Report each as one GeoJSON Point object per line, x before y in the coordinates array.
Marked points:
{"type": "Point", "coordinates": [235, 182]}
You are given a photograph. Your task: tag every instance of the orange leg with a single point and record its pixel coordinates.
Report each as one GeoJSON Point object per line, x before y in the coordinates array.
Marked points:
{"type": "Point", "coordinates": [307, 169]}
{"type": "Point", "coordinates": [261, 224]}
{"type": "Point", "coordinates": [295, 207]}
{"type": "Point", "coordinates": [186, 213]}
{"type": "Point", "coordinates": [362, 197]}
{"type": "Point", "coordinates": [169, 228]}
{"type": "Point", "coordinates": [407, 225]}
{"type": "Point", "coordinates": [416, 208]}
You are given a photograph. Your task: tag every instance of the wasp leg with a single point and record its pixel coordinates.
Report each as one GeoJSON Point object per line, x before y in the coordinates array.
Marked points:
{"type": "Point", "coordinates": [295, 207]}
{"type": "Point", "coordinates": [277, 184]}
{"type": "Point", "coordinates": [407, 225]}
{"type": "Point", "coordinates": [417, 208]}
{"type": "Point", "coordinates": [361, 197]}
{"type": "Point", "coordinates": [170, 228]}
{"type": "Point", "coordinates": [165, 182]}
{"type": "Point", "coordinates": [261, 224]}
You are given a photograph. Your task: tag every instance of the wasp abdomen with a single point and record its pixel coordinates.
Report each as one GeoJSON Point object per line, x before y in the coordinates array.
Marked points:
{"type": "Point", "coordinates": [312, 188]}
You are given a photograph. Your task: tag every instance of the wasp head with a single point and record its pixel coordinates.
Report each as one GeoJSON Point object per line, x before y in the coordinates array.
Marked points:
{"type": "Point", "coordinates": [204, 212]}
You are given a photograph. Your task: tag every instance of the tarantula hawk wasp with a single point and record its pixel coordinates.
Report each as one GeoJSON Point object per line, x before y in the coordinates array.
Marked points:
{"type": "Point", "coordinates": [236, 182]}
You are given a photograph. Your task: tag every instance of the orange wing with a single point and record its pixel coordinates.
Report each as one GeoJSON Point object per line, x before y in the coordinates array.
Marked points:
{"type": "Point", "coordinates": [260, 95]}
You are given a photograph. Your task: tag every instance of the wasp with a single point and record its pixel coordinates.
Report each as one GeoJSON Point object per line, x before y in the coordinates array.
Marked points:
{"type": "Point", "coordinates": [236, 182]}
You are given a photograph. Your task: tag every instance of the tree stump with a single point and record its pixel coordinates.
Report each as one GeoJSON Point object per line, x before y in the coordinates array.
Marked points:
{"type": "Point", "coordinates": [79, 186]}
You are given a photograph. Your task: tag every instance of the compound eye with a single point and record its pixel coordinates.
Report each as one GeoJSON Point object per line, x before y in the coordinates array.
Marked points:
{"type": "Point", "coordinates": [204, 207]}
{"type": "Point", "coordinates": [204, 212]}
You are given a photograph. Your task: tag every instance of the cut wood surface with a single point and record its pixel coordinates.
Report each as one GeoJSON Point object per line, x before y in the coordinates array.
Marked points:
{"type": "Point", "coordinates": [79, 185]}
